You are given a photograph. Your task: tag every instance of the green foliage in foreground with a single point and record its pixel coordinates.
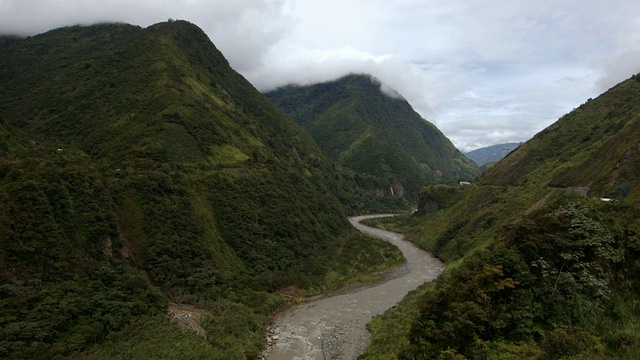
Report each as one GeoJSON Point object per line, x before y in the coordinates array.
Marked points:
{"type": "Point", "coordinates": [546, 276]}
{"type": "Point", "coordinates": [63, 285]}
{"type": "Point", "coordinates": [558, 283]}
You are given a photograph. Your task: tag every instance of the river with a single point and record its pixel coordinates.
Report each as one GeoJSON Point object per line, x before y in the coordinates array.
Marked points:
{"type": "Point", "coordinates": [335, 327]}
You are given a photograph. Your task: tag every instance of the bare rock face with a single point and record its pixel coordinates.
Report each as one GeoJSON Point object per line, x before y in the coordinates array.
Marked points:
{"type": "Point", "coordinates": [397, 189]}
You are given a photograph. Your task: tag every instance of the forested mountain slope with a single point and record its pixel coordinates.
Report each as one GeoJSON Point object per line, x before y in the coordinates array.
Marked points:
{"type": "Point", "coordinates": [380, 140]}
{"type": "Point", "coordinates": [136, 168]}
{"type": "Point", "coordinates": [542, 251]}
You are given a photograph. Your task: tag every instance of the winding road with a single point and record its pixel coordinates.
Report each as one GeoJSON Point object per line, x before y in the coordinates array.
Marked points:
{"type": "Point", "coordinates": [335, 327]}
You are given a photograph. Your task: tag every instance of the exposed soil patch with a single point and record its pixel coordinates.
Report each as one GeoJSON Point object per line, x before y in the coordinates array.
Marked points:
{"type": "Point", "coordinates": [188, 317]}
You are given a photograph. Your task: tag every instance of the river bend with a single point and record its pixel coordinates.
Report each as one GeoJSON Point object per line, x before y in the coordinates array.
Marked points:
{"type": "Point", "coordinates": [335, 327]}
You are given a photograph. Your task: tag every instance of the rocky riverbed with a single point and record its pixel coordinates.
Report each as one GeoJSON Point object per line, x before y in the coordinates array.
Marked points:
{"type": "Point", "coordinates": [335, 327]}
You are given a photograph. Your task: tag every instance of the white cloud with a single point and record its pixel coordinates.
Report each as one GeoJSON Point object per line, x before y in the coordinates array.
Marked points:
{"type": "Point", "coordinates": [618, 68]}
{"type": "Point", "coordinates": [483, 72]}
{"type": "Point", "coordinates": [244, 30]}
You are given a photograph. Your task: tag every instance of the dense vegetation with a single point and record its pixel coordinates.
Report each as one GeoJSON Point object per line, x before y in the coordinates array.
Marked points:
{"type": "Point", "coordinates": [539, 266]}
{"type": "Point", "coordinates": [374, 138]}
{"type": "Point", "coordinates": [137, 168]}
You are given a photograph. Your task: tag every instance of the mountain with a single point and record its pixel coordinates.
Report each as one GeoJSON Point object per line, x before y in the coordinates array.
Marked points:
{"type": "Point", "coordinates": [593, 148]}
{"type": "Point", "coordinates": [137, 168]}
{"type": "Point", "coordinates": [491, 154]}
{"type": "Point", "coordinates": [541, 251]}
{"type": "Point", "coordinates": [376, 138]}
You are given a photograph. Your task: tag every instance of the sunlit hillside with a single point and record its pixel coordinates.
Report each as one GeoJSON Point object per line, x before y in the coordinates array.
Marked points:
{"type": "Point", "coordinates": [542, 251]}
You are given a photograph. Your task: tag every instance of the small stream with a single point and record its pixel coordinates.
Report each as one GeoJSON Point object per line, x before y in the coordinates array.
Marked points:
{"type": "Point", "coordinates": [335, 327]}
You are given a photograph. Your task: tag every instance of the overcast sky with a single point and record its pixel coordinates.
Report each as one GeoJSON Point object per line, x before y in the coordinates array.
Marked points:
{"type": "Point", "coordinates": [484, 72]}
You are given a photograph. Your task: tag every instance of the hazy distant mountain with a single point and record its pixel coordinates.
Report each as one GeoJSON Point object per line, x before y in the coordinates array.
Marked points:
{"type": "Point", "coordinates": [389, 148]}
{"type": "Point", "coordinates": [493, 153]}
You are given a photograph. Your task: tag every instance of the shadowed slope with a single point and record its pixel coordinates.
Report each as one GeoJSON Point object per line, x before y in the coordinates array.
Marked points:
{"type": "Point", "coordinates": [141, 167]}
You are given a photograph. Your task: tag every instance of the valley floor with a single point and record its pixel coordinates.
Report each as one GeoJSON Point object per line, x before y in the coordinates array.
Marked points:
{"type": "Point", "coordinates": [335, 327]}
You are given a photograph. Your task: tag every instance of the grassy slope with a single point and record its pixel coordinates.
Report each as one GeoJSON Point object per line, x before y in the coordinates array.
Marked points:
{"type": "Point", "coordinates": [591, 147]}
{"type": "Point", "coordinates": [173, 174]}
{"type": "Point", "coordinates": [535, 269]}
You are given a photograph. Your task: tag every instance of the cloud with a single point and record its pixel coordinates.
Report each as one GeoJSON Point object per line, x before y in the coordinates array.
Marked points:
{"type": "Point", "coordinates": [618, 68]}
{"type": "Point", "coordinates": [29, 17]}
{"type": "Point", "coordinates": [244, 30]}
{"type": "Point", "coordinates": [483, 72]}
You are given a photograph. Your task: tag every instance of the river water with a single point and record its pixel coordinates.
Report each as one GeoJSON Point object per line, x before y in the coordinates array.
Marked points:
{"type": "Point", "coordinates": [335, 327]}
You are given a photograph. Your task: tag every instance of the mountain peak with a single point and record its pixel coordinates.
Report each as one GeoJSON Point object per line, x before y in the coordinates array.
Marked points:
{"type": "Point", "coordinates": [363, 129]}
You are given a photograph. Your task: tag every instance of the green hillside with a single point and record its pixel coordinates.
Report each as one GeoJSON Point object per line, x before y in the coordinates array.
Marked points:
{"type": "Point", "coordinates": [593, 148]}
{"type": "Point", "coordinates": [377, 139]}
{"type": "Point", "coordinates": [539, 266]}
{"type": "Point", "coordinates": [137, 168]}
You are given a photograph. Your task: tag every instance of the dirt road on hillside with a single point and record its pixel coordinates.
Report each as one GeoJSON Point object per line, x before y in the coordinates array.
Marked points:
{"type": "Point", "coordinates": [335, 327]}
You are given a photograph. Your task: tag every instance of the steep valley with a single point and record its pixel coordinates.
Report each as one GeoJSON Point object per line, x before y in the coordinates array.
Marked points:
{"type": "Point", "coordinates": [375, 140]}
{"type": "Point", "coordinates": [138, 168]}
{"type": "Point", "coordinates": [541, 250]}
{"type": "Point", "coordinates": [140, 176]}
